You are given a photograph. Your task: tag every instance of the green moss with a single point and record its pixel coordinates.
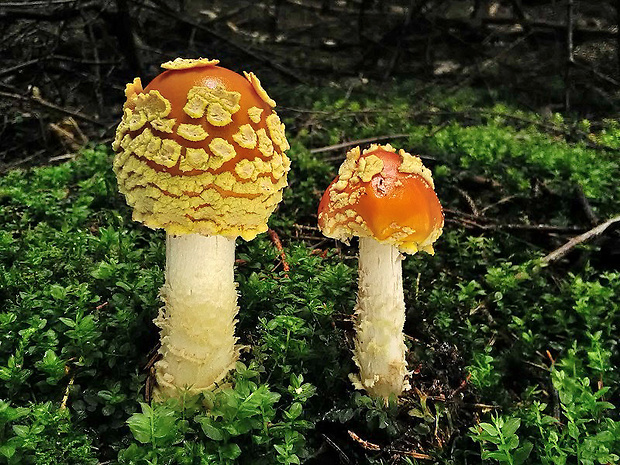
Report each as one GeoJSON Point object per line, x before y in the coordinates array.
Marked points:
{"type": "Point", "coordinates": [79, 288]}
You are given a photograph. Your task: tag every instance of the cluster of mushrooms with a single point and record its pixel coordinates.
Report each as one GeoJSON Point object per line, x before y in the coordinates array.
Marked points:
{"type": "Point", "coordinates": [200, 152]}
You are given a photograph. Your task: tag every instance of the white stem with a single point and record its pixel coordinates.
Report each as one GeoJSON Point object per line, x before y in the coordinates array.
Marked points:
{"type": "Point", "coordinates": [198, 320]}
{"type": "Point", "coordinates": [380, 316]}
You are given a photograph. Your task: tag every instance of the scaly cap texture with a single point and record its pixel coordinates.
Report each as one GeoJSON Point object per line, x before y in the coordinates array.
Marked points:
{"type": "Point", "coordinates": [200, 150]}
{"type": "Point", "coordinates": [385, 195]}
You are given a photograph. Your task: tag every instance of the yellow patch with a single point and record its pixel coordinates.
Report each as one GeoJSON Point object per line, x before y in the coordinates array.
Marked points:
{"type": "Point", "coordinates": [139, 143]}
{"type": "Point", "coordinates": [259, 89]}
{"type": "Point", "coordinates": [168, 154]}
{"type": "Point", "coordinates": [136, 121]}
{"type": "Point", "coordinates": [228, 100]}
{"type": "Point", "coordinates": [222, 152]}
{"type": "Point", "coordinates": [193, 132]}
{"type": "Point", "coordinates": [164, 124]}
{"type": "Point", "coordinates": [255, 113]}
{"type": "Point", "coordinates": [277, 167]}
{"type": "Point", "coordinates": [185, 63]}
{"type": "Point", "coordinates": [132, 89]}
{"type": "Point", "coordinates": [126, 141]}
{"type": "Point", "coordinates": [195, 106]}
{"type": "Point", "coordinates": [245, 137]}
{"type": "Point", "coordinates": [338, 200]}
{"type": "Point", "coordinates": [225, 180]}
{"type": "Point", "coordinates": [276, 129]}
{"type": "Point", "coordinates": [369, 166]}
{"type": "Point", "coordinates": [218, 103]}
{"type": "Point", "coordinates": [340, 185]}
{"type": "Point", "coordinates": [262, 166]}
{"type": "Point", "coordinates": [245, 169]}
{"type": "Point", "coordinates": [264, 143]}
{"type": "Point", "coordinates": [153, 146]}
{"type": "Point", "coordinates": [121, 132]}
{"type": "Point", "coordinates": [217, 115]}
{"type": "Point", "coordinates": [347, 169]}
{"type": "Point", "coordinates": [153, 105]}
{"type": "Point", "coordinates": [413, 165]}
{"type": "Point", "coordinates": [373, 147]}
{"type": "Point", "coordinates": [195, 159]}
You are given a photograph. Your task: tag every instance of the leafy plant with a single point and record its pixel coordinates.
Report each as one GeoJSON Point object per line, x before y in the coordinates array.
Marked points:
{"type": "Point", "coordinates": [501, 433]}
{"type": "Point", "coordinates": [245, 423]}
{"type": "Point", "coordinates": [490, 327]}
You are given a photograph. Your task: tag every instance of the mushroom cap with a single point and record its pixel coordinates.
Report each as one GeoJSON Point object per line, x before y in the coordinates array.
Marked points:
{"type": "Point", "coordinates": [201, 150]}
{"type": "Point", "coordinates": [385, 195]}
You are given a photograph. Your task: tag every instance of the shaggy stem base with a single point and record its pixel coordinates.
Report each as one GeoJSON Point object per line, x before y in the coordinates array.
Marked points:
{"type": "Point", "coordinates": [198, 320]}
{"type": "Point", "coordinates": [380, 316]}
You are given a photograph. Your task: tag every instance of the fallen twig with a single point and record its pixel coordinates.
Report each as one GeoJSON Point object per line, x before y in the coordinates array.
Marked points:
{"type": "Point", "coordinates": [153, 356]}
{"type": "Point", "coordinates": [575, 241]}
{"type": "Point", "coordinates": [276, 241]}
{"type": "Point", "coordinates": [461, 386]}
{"type": "Point", "coordinates": [498, 203]}
{"type": "Point", "coordinates": [335, 446]}
{"type": "Point", "coordinates": [472, 221]}
{"type": "Point", "coordinates": [342, 145]}
{"type": "Point", "coordinates": [23, 65]}
{"type": "Point", "coordinates": [365, 444]}
{"type": "Point", "coordinates": [374, 447]}
{"type": "Point", "coordinates": [470, 202]}
{"type": "Point", "coordinates": [65, 398]}
{"type": "Point", "coordinates": [162, 7]}
{"type": "Point", "coordinates": [51, 106]}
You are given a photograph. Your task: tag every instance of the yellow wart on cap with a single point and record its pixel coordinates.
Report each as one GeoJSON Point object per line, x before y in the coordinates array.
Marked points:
{"type": "Point", "coordinates": [276, 130]}
{"type": "Point", "coordinates": [186, 63]}
{"type": "Point", "coordinates": [255, 114]}
{"type": "Point", "coordinates": [259, 89]}
{"type": "Point", "coordinates": [246, 137]}
{"type": "Point", "coordinates": [222, 152]}
{"type": "Point", "coordinates": [192, 132]}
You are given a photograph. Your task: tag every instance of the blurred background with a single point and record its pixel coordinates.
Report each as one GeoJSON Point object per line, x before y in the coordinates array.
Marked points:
{"type": "Point", "coordinates": [64, 63]}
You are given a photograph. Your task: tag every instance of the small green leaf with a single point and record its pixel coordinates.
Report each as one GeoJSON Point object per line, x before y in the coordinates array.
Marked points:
{"type": "Point", "coordinates": [511, 426]}
{"type": "Point", "coordinates": [58, 292]}
{"type": "Point", "coordinates": [68, 322]}
{"type": "Point", "coordinates": [489, 429]}
{"type": "Point", "coordinates": [523, 452]}
{"type": "Point", "coordinates": [230, 451]}
{"type": "Point", "coordinates": [294, 411]}
{"type": "Point", "coordinates": [21, 430]}
{"type": "Point", "coordinates": [211, 431]}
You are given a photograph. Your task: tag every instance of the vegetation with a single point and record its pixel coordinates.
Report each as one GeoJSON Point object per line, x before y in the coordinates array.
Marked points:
{"type": "Point", "coordinates": [513, 360]}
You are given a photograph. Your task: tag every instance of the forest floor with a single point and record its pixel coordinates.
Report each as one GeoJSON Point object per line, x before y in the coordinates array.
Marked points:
{"type": "Point", "coordinates": [512, 338]}
{"type": "Point", "coordinates": [513, 349]}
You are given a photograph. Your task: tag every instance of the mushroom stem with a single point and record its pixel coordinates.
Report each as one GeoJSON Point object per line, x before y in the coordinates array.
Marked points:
{"type": "Point", "coordinates": [380, 316]}
{"type": "Point", "coordinates": [198, 320]}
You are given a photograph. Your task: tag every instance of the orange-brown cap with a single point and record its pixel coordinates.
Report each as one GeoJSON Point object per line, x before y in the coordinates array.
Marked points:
{"type": "Point", "coordinates": [385, 195]}
{"type": "Point", "coordinates": [200, 150]}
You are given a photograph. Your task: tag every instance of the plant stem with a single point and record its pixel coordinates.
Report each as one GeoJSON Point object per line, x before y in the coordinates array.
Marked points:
{"type": "Point", "coordinates": [198, 320]}
{"type": "Point", "coordinates": [380, 316]}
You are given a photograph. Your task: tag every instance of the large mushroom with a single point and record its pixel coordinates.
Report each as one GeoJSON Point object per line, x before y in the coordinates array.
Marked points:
{"type": "Point", "coordinates": [387, 199]}
{"type": "Point", "coordinates": [200, 153]}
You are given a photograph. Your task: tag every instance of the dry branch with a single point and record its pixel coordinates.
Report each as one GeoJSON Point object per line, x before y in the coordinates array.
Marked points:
{"type": "Point", "coordinates": [575, 241]}
{"type": "Point", "coordinates": [276, 241]}
{"type": "Point", "coordinates": [51, 106]}
{"type": "Point", "coordinates": [342, 145]}
{"type": "Point", "coordinates": [183, 18]}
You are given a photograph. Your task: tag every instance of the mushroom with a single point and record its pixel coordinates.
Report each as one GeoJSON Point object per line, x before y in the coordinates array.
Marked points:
{"type": "Point", "coordinates": [200, 153]}
{"type": "Point", "coordinates": [387, 200]}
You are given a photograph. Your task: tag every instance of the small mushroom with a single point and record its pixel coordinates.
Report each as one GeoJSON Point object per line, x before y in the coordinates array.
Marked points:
{"type": "Point", "coordinates": [387, 200]}
{"type": "Point", "coordinates": [200, 153]}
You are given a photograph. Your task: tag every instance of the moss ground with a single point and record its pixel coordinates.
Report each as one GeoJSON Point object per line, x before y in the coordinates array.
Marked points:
{"type": "Point", "coordinates": [513, 360]}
